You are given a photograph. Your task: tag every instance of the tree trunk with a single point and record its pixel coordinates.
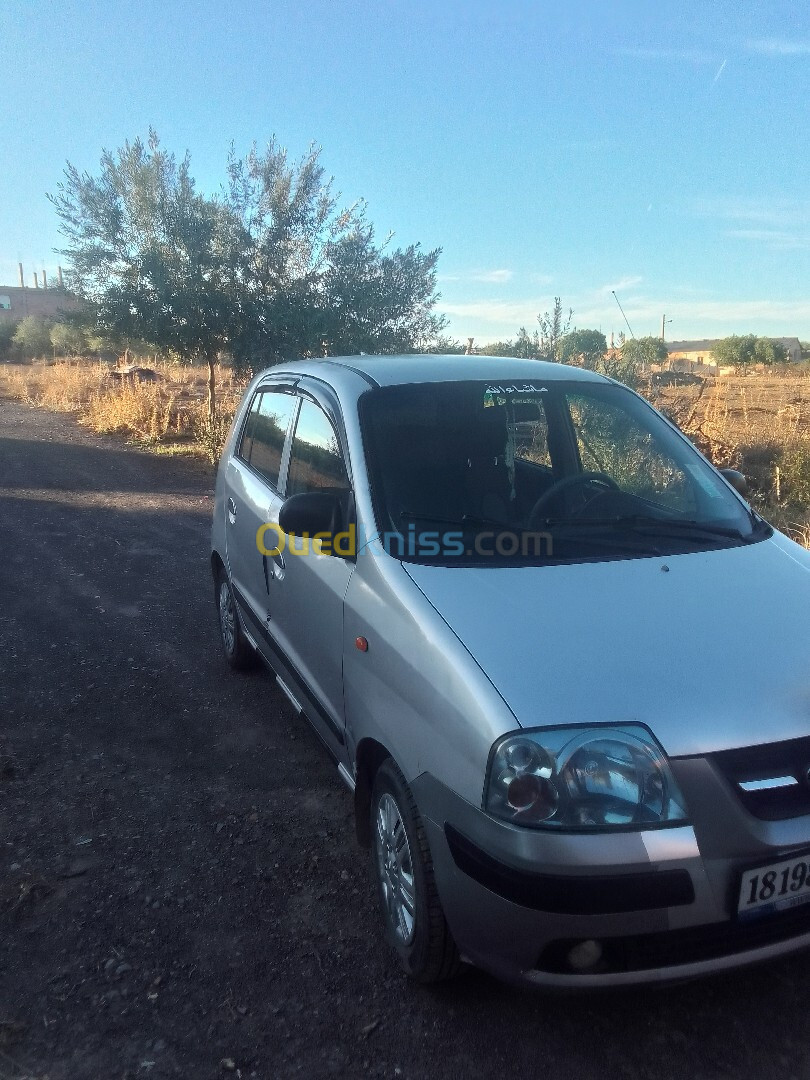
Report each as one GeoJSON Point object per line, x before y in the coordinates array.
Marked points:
{"type": "Point", "coordinates": [212, 390]}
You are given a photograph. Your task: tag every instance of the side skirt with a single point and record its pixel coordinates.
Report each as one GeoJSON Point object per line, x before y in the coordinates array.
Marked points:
{"type": "Point", "coordinates": [289, 679]}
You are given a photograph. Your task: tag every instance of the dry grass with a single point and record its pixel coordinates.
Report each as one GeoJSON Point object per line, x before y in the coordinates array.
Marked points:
{"type": "Point", "coordinates": [759, 424]}
{"type": "Point", "coordinates": [169, 412]}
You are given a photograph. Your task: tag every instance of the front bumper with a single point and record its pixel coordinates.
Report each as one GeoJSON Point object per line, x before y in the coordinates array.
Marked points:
{"type": "Point", "coordinates": [661, 903]}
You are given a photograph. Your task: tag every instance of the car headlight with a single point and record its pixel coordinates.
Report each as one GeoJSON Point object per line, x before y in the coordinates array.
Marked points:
{"type": "Point", "coordinates": [601, 777]}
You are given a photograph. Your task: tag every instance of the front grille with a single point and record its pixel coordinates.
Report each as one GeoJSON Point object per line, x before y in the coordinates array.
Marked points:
{"type": "Point", "coordinates": [669, 948]}
{"type": "Point", "coordinates": [785, 764]}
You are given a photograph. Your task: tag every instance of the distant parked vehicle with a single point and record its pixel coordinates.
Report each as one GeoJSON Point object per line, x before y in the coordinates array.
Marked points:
{"type": "Point", "coordinates": [560, 661]}
{"type": "Point", "coordinates": [132, 373]}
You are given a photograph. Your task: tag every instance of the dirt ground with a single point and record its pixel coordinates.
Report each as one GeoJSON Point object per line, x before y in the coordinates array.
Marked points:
{"type": "Point", "coordinates": [180, 890]}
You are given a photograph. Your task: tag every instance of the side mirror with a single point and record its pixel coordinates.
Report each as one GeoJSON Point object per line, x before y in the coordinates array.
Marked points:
{"type": "Point", "coordinates": [311, 512]}
{"type": "Point", "coordinates": [737, 480]}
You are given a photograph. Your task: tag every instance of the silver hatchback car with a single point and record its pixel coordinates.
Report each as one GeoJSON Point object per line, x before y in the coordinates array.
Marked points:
{"type": "Point", "coordinates": [561, 663]}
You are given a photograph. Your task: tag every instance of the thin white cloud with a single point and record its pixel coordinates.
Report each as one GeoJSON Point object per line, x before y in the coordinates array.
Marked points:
{"type": "Point", "coordinates": [693, 316]}
{"type": "Point", "coordinates": [507, 315]}
{"type": "Point", "coordinates": [764, 212]}
{"type": "Point", "coordinates": [487, 277]}
{"type": "Point", "coordinates": [719, 71]}
{"type": "Point", "coordinates": [776, 239]}
{"type": "Point", "coordinates": [627, 282]}
{"type": "Point", "coordinates": [688, 56]}
{"type": "Point", "coordinates": [702, 318]}
{"type": "Point", "coordinates": [493, 277]}
{"type": "Point", "coordinates": [779, 47]}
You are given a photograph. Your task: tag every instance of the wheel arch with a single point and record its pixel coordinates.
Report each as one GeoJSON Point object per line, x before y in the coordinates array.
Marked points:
{"type": "Point", "coordinates": [369, 757]}
{"type": "Point", "coordinates": [217, 564]}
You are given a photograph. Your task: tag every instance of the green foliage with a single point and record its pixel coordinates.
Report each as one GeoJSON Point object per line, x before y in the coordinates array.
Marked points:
{"type": "Point", "coordinates": [7, 331]}
{"type": "Point", "coordinates": [586, 347]}
{"type": "Point", "coordinates": [736, 350]}
{"type": "Point", "coordinates": [211, 434]}
{"type": "Point", "coordinates": [501, 348]}
{"type": "Point", "coordinates": [68, 339]}
{"type": "Point", "coordinates": [316, 280]}
{"type": "Point", "coordinates": [379, 301]}
{"type": "Point", "coordinates": [794, 469]}
{"type": "Point", "coordinates": [444, 345]}
{"type": "Point", "coordinates": [527, 345]}
{"type": "Point", "coordinates": [739, 351]}
{"type": "Point", "coordinates": [553, 328]}
{"type": "Point", "coordinates": [644, 351]}
{"type": "Point", "coordinates": [152, 256]}
{"type": "Point", "coordinates": [769, 352]}
{"type": "Point", "coordinates": [33, 337]}
{"type": "Point", "coordinates": [270, 269]}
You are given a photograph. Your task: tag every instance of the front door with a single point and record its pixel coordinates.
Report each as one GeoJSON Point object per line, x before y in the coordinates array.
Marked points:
{"type": "Point", "coordinates": [307, 587]}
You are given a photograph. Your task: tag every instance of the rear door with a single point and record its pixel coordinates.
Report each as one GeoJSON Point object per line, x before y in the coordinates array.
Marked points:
{"type": "Point", "coordinates": [252, 498]}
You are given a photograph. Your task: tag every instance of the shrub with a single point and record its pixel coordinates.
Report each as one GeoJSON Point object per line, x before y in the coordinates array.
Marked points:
{"type": "Point", "coordinates": [794, 474]}
{"type": "Point", "coordinates": [7, 332]}
{"type": "Point", "coordinates": [33, 336]}
{"type": "Point", "coordinates": [68, 339]}
{"type": "Point", "coordinates": [211, 435]}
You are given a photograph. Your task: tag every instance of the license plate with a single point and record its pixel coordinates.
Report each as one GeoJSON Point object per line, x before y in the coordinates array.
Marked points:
{"type": "Point", "coordinates": [775, 887]}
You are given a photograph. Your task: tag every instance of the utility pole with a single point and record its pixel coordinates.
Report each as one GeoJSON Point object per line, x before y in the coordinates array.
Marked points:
{"type": "Point", "coordinates": [664, 321]}
{"type": "Point", "coordinates": [621, 309]}
{"type": "Point", "coordinates": [24, 290]}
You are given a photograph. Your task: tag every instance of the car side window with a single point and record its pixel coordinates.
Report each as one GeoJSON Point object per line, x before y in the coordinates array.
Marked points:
{"type": "Point", "coordinates": [316, 463]}
{"type": "Point", "coordinates": [265, 431]}
{"type": "Point", "coordinates": [246, 442]}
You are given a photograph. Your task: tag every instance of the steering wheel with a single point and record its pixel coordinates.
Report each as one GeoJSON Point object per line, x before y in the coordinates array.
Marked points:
{"type": "Point", "coordinates": [567, 482]}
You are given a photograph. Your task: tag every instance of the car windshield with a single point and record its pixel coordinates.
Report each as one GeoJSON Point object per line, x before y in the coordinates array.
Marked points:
{"type": "Point", "coordinates": [550, 471]}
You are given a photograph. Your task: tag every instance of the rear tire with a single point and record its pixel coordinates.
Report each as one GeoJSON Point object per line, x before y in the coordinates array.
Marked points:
{"type": "Point", "coordinates": [238, 651]}
{"type": "Point", "coordinates": [403, 870]}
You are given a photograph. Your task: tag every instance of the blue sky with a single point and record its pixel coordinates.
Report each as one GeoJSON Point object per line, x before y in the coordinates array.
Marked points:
{"type": "Point", "coordinates": [658, 149]}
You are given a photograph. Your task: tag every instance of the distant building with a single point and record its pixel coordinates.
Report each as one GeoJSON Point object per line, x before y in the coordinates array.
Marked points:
{"type": "Point", "coordinates": [16, 303]}
{"type": "Point", "coordinates": [692, 355]}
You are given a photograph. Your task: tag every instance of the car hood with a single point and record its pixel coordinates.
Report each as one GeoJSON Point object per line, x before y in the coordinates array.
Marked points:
{"type": "Point", "coordinates": [710, 650]}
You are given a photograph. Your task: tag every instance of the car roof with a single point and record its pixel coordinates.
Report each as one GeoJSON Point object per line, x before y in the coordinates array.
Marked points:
{"type": "Point", "coordinates": [433, 368]}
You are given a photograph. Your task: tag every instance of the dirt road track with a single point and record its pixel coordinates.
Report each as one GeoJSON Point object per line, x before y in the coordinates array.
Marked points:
{"type": "Point", "coordinates": [180, 891]}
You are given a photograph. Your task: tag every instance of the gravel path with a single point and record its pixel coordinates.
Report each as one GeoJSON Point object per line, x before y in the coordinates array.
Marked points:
{"type": "Point", "coordinates": [180, 890]}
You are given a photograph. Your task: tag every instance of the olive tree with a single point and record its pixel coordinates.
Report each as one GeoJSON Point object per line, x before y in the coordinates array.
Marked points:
{"type": "Point", "coordinates": [151, 255]}
{"type": "Point", "coordinates": [269, 268]}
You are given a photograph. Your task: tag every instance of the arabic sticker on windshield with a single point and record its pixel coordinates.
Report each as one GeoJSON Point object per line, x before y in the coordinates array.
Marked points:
{"type": "Point", "coordinates": [525, 388]}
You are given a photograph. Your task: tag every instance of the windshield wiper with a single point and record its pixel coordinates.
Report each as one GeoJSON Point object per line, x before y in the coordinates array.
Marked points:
{"type": "Point", "coordinates": [465, 519]}
{"type": "Point", "coordinates": [679, 525]}
{"type": "Point", "coordinates": [657, 525]}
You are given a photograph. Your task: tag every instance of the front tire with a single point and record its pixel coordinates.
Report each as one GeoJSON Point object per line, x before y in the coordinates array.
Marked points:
{"type": "Point", "coordinates": [403, 870]}
{"type": "Point", "coordinates": [238, 651]}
